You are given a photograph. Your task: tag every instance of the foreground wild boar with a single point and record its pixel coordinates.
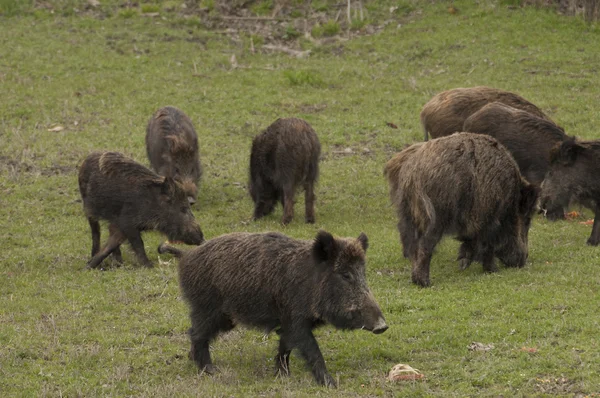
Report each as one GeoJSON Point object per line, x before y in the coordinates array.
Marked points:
{"type": "Point", "coordinates": [269, 281]}
{"type": "Point", "coordinates": [172, 147]}
{"type": "Point", "coordinates": [132, 198]}
{"type": "Point", "coordinates": [467, 185]}
{"type": "Point", "coordinates": [284, 157]}
{"type": "Point", "coordinates": [447, 111]}
{"type": "Point", "coordinates": [574, 177]}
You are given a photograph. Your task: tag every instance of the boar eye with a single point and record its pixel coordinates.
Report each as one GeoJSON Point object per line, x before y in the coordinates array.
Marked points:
{"type": "Point", "coordinates": [184, 209]}
{"type": "Point", "coordinates": [347, 276]}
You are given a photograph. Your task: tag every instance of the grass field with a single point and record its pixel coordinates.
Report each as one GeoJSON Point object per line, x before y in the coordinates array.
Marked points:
{"type": "Point", "coordinates": [75, 78]}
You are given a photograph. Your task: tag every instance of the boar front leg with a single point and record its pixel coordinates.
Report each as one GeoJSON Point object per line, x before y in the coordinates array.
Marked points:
{"type": "Point", "coordinates": [303, 338]}
{"type": "Point", "coordinates": [115, 239]}
{"type": "Point", "coordinates": [594, 238]}
{"type": "Point", "coordinates": [137, 244]}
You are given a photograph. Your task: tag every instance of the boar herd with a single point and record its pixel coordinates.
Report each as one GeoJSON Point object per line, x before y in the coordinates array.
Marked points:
{"type": "Point", "coordinates": [493, 161]}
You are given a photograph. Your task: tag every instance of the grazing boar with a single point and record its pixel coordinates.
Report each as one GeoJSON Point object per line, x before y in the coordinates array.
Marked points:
{"type": "Point", "coordinates": [528, 138]}
{"type": "Point", "coordinates": [284, 157]}
{"type": "Point", "coordinates": [467, 185]}
{"type": "Point", "coordinates": [447, 111]}
{"type": "Point", "coordinates": [574, 177]}
{"type": "Point", "coordinates": [172, 147]}
{"type": "Point", "coordinates": [132, 198]}
{"type": "Point", "coordinates": [271, 281]}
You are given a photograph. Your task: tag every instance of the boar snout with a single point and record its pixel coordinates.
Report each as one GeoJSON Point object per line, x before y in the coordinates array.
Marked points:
{"type": "Point", "coordinates": [380, 326]}
{"type": "Point", "coordinates": [191, 200]}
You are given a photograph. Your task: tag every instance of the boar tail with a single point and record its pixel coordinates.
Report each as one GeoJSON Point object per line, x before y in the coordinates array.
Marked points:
{"type": "Point", "coordinates": [165, 248]}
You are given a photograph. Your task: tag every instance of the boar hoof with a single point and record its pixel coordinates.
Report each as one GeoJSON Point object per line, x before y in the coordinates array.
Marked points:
{"type": "Point", "coordinates": [593, 242]}
{"type": "Point", "coordinates": [286, 220]}
{"type": "Point", "coordinates": [328, 381]}
{"type": "Point", "coordinates": [464, 263]}
{"type": "Point", "coordinates": [209, 369]}
{"type": "Point", "coordinates": [423, 282]}
{"type": "Point", "coordinates": [310, 220]}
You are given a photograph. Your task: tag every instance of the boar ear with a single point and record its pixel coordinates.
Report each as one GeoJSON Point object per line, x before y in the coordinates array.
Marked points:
{"type": "Point", "coordinates": [325, 247]}
{"type": "Point", "coordinates": [566, 153]}
{"type": "Point", "coordinates": [168, 186]}
{"type": "Point", "coordinates": [364, 241]}
{"type": "Point", "coordinates": [529, 196]}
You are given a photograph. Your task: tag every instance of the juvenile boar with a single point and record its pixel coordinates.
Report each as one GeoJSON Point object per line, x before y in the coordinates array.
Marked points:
{"type": "Point", "coordinates": [132, 198]}
{"type": "Point", "coordinates": [447, 111]}
{"type": "Point", "coordinates": [574, 177]}
{"type": "Point", "coordinates": [466, 185]}
{"type": "Point", "coordinates": [172, 147]}
{"type": "Point", "coordinates": [270, 281]}
{"type": "Point", "coordinates": [284, 157]}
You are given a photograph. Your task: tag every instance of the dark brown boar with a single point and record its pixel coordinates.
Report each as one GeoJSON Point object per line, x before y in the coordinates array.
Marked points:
{"type": "Point", "coordinates": [172, 147]}
{"type": "Point", "coordinates": [132, 198]}
{"type": "Point", "coordinates": [528, 138]}
{"type": "Point", "coordinates": [271, 281]}
{"type": "Point", "coordinates": [284, 157]}
{"type": "Point", "coordinates": [574, 177]}
{"type": "Point", "coordinates": [466, 185]}
{"type": "Point", "coordinates": [447, 111]}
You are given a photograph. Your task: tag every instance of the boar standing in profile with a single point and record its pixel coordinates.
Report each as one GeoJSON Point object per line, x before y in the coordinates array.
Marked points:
{"type": "Point", "coordinates": [172, 147]}
{"type": "Point", "coordinates": [132, 198]}
{"type": "Point", "coordinates": [466, 185]}
{"type": "Point", "coordinates": [574, 177]}
{"type": "Point", "coordinates": [271, 281]}
{"type": "Point", "coordinates": [284, 157]}
{"type": "Point", "coordinates": [447, 111]}
{"type": "Point", "coordinates": [528, 138]}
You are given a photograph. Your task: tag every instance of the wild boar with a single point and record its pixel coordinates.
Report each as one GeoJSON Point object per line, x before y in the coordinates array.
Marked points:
{"type": "Point", "coordinates": [574, 178]}
{"type": "Point", "coordinates": [284, 157]}
{"type": "Point", "coordinates": [172, 147]}
{"type": "Point", "coordinates": [447, 111]}
{"type": "Point", "coordinates": [466, 185]}
{"type": "Point", "coordinates": [528, 138]}
{"type": "Point", "coordinates": [271, 281]}
{"type": "Point", "coordinates": [132, 198]}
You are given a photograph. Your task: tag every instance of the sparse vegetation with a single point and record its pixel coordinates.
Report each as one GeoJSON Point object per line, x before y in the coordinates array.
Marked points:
{"type": "Point", "coordinates": [90, 80]}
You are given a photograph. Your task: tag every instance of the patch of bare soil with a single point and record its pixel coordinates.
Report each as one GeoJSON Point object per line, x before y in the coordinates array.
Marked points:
{"type": "Point", "coordinates": [16, 167]}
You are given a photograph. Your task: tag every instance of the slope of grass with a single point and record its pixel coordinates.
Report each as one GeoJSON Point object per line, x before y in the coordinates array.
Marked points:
{"type": "Point", "coordinates": [69, 332]}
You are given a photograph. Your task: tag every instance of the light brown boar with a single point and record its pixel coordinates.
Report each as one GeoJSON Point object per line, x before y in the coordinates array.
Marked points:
{"type": "Point", "coordinates": [447, 111]}
{"type": "Point", "coordinates": [172, 148]}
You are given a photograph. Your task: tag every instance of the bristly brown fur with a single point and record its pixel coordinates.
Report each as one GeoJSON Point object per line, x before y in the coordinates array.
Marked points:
{"type": "Point", "coordinates": [466, 185]}
{"type": "Point", "coordinates": [284, 159]}
{"type": "Point", "coordinates": [270, 281]}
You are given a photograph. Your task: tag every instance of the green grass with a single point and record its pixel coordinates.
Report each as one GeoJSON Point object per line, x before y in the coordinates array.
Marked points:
{"type": "Point", "coordinates": [65, 331]}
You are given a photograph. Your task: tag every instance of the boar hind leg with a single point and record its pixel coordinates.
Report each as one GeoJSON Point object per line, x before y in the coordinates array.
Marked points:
{"type": "Point", "coordinates": [288, 204]}
{"type": "Point", "coordinates": [422, 258]}
{"type": "Point", "coordinates": [137, 244]}
{"type": "Point", "coordinates": [309, 199]}
{"type": "Point", "coordinates": [465, 254]}
{"type": "Point", "coordinates": [594, 238]}
{"type": "Point", "coordinates": [95, 227]}
{"type": "Point", "coordinates": [204, 329]}
{"type": "Point", "coordinates": [282, 359]}
{"type": "Point", "coordinates": [114, 241]}
{"type": "Point", "coordinates": [116, 254]}
{"type": "Point", "coordinates": [305, 341]}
